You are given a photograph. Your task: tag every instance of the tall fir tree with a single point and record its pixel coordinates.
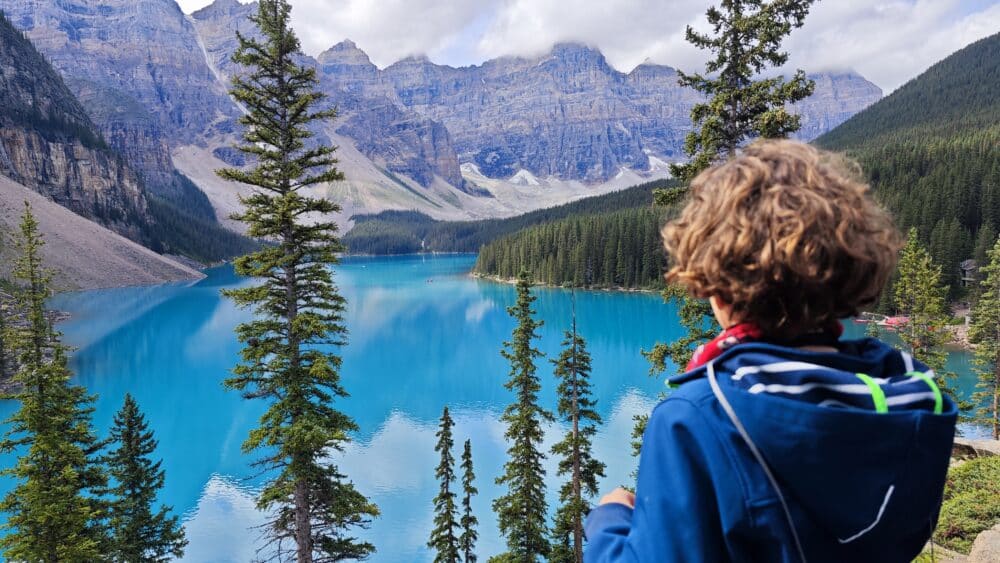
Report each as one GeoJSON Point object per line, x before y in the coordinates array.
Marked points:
{"type": "Point", "coordinates": [5, 362]}
{"type": "Point", "coordinates": [138, 533]}
{"type": "Point", "coordinates": [920, 295]}
{"type": "Point", "coordinates": [467, 541]}
{"type": "Point", "coordinates": [575, 408]}
{"type": "Point", "coordinates": [745, 41]}
{"type": "Point", "coordinates": [521, 511]}
{"type": "Point", "coordinates": [298, 310]}
{"type": "Point", "coordinates": [985, 333]}
{"type": "Point", "coordinates": [444, 540]}
{"type": "Point", "coordinates": [53, 512]}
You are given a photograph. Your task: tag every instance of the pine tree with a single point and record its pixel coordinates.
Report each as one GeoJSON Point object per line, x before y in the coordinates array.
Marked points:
{"type": "Point", "coordinates": [53, 513]}
{"type": "Point", "coordinates": [985, 332]}
{"type": "Point", "coordinates": [443, 540]}
{"type": "Point", "coordinates": [299, 311]}
{"type": "Point", "coordinates": [521, 512]}
{"type": "Point", "coordinates": [699, 323]}
{"type": "Point", "coordinates": [138, 534]}
{"type": "Point", "coordinates": [576, 408]}
{"type": "Point", "coordinates": [5, 363]}
{"type": "Point", "coordinates": [920, 295]}
{"type": "Point", "coordinates": [985, 238]}
{"type": "Point", "coordinates": [467, 541]}
{"type": "Point", "coordinates": [745, 40]}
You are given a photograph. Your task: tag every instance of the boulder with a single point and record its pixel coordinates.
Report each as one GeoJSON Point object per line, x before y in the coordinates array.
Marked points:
{"type": "Point", "coordinates": [968, 449]}
{"type": "Point", "coordinates": [986, 548]}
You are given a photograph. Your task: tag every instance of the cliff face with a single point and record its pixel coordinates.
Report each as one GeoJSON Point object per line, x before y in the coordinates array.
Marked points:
{"type": "Point", "coordinates": [139, 70]}
{"type": "Point", "coordinates": [567, 114]}
{"type": "Point", "coordinates": [155, 81]}
{"type": "Point", "coordinates": [398, 140]}
{"type": "Point", "coordinates": [49, 144]}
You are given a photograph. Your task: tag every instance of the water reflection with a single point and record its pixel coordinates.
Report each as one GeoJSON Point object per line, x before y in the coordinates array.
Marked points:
{"type": "Point", "coordinates": [422, 335]}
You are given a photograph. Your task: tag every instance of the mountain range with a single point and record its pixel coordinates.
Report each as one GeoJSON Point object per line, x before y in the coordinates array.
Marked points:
{"type": "Point", "coordinates": [496, 139]}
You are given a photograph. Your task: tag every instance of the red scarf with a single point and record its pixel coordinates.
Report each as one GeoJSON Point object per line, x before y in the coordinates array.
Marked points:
{"type": "Point", "coordinates": [749, 332]}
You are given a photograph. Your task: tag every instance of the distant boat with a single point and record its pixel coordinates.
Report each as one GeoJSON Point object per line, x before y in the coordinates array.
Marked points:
{"type": "Point", "coordinates": [892, 323]}
{"type": "Point", "coordinates": [867, 318]}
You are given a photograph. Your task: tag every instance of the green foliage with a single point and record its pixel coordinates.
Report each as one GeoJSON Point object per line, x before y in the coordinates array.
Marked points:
{"type": "Point", "coordinates": [467, 541]}
{"type": "Point", "coordinates": [298, 310]}
{"type": "Point", "coordinates": [985, 333]}
{"type": "Point", "coordinates": [176, 231]}
{"type": "Point", "coordinates": [443, 540]}
{"type": "Point", "coordinates": [521, 511]}
{"type": "Point", "coordinates": [953, 97]}
{"type": "Point", "coordinates": [745, 41]}
{"type": "Point", "coordinates": [931, 150]}
{"type": "Point", "coordinates": [920, 295]}
{"type": "Point", "coordinates": [619, 249]}
{"type": "Point", "coordinates": [971, 503]}
{"type": "Point", "coordinates": [138, 534]}
{"type": "Point", "coordinates": [407, 232]}
{"type": "Point", "coordinates": [53, 512]}
{"type": "Point", "coordinates": [575, 408]}
{"type": "Point", "coordinates": [699, 323]}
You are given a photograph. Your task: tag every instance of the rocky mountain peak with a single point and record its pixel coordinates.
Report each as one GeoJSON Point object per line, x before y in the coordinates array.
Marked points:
{"type": "Point", "coordinates": [573, 52]}
{"type": "Point", "coordinates": [650, 70]}
{"type": "Point", "coordinates": [344, 53]}
{"type": "Point", "coordinates": [225, 8]}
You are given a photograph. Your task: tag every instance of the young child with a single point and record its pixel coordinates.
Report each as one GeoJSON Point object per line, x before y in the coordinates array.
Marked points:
{"type": "Point", "coordinates": [782, 442]}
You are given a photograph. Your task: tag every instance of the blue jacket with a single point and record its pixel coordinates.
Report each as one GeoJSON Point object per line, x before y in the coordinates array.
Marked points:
{"type": "Point", "coordinates": [779, 454]}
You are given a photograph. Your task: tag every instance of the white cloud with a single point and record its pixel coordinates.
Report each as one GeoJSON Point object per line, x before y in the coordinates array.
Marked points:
{"type": "Point", "coordinates": [887, 41]}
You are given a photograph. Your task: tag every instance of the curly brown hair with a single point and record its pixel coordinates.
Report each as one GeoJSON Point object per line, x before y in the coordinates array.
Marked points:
{"type": "Point", "coordinates": [787, 235]}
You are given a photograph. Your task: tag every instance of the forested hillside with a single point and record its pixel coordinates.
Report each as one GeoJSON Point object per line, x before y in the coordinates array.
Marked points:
{"type": "Point", "coordinates": [932, 153]}
{"type": "Point", "coordinates": [621, 249]}
{"type": "Point", "coordinates": [407, 232]}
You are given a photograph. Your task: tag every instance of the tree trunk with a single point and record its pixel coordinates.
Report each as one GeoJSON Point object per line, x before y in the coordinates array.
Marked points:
{"type": "Point", "coordinates": [577, 523]}
{"type": "Point", "coordinates": [303, 525]}
{"type": "Point", "coordinates": [996, 402]}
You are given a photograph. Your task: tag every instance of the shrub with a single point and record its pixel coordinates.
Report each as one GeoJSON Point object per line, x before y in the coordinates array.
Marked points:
{"type": "Point", "coordinates": [971, 503]}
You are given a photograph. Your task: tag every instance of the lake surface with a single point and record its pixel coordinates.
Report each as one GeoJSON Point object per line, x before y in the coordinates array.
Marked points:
{"type": "Point", "coordinates": [423, 334]}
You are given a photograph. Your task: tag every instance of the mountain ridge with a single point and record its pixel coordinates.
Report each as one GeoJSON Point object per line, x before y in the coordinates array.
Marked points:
{"type": "Point", "coordinates": [423, 136]}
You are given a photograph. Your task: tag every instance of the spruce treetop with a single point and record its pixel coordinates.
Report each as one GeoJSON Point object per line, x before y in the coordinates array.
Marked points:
{"type": "Point", "coordinates": [467, 540]}
{"type": "Point", "coordinates": [522, 510]}
{"type": "Point", "coordinates": [444, 540]}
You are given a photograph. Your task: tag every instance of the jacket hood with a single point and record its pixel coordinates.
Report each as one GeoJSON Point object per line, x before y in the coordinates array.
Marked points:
{"type": "Point", "coordinates": [858, 441]}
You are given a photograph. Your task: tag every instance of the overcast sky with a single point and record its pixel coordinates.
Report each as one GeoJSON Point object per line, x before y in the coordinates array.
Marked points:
{"type": "Point", "coordinates": [887, 41]}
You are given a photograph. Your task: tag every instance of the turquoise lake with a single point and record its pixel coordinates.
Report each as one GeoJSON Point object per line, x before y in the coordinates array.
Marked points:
{"type": "Point", "coordinates": [423, 334]}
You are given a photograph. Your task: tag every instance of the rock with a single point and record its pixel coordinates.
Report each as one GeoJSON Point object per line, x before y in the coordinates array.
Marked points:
{"type": "Point", "coordinates": [49, 143]}
{"type": "Point", "coordinates": [81, 253]}
{"type": "Point", "coordinates": [400, 140]}
{"type": "Point", "coordinates": [568, 113]}
{"type": "Point", "coordinates": [964, 448]}
{"type": "Point", "coordinates": [144, 49]}
{"type": "Point", "coordinates": [986, 548]}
